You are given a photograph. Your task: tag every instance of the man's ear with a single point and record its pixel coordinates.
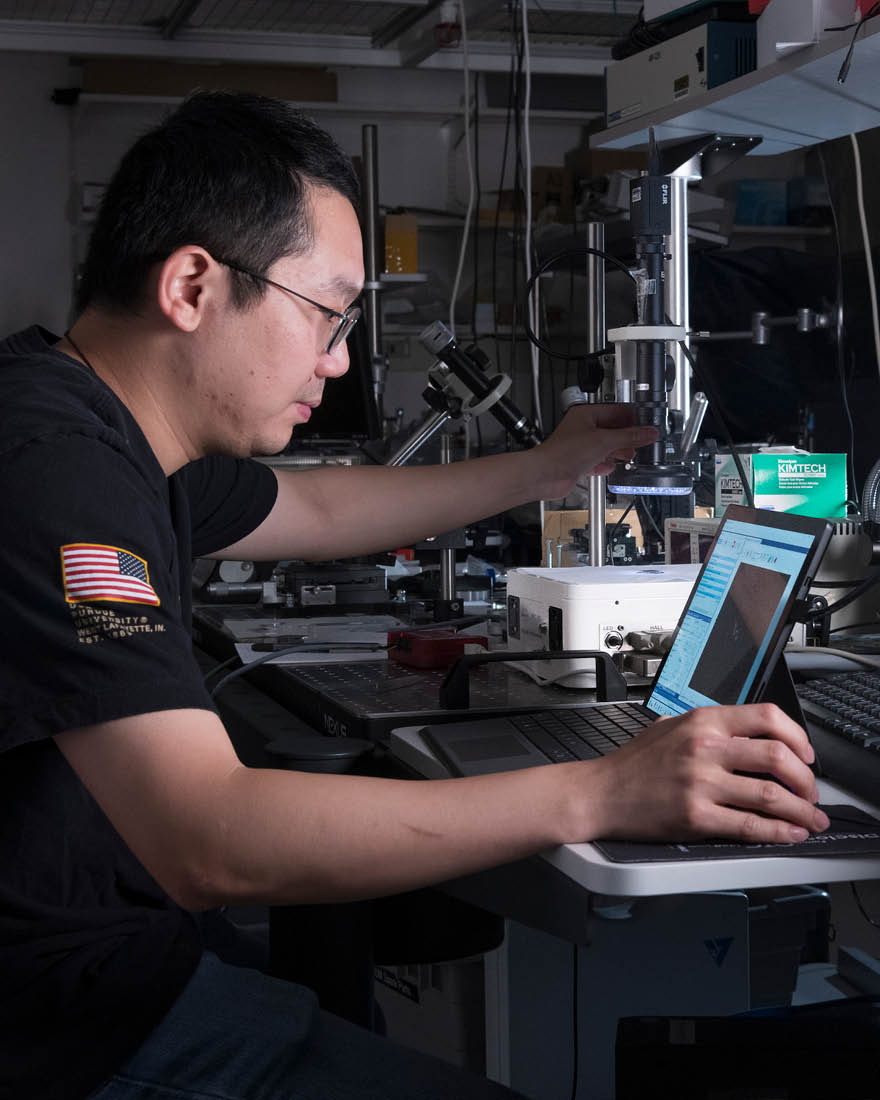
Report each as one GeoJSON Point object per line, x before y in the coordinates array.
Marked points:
{"type": "Point", "coordinates": [187, 280]}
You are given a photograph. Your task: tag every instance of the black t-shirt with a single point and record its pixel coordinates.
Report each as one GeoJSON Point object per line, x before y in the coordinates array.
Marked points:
{"type": "Point", "coordinates": [94, 571]}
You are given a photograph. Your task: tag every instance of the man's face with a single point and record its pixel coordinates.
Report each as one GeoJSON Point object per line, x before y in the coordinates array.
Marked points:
{"type": "Point", "coordinates": [272, 364]}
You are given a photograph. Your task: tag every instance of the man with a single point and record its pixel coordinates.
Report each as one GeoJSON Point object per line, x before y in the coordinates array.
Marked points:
{"type": "Point", "coordinates": [215, 298]}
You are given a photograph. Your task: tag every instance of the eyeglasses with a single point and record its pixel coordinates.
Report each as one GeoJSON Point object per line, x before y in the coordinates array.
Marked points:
{"type": "Point", "coordinates": [345, 322]}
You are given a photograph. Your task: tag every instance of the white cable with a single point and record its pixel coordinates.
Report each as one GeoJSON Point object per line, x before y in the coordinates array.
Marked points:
{"type": "Point", "coordinates": [866, 240]}
{"type": "Point", "coordinates": [546, 681]}
{"type": "Point", "coordinates": [531, 304]}
{"type": "Point", "coordinates": [469, 157]}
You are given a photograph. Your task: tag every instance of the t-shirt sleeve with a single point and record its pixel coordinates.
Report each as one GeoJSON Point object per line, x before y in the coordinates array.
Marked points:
{"type": "Point", "coordinates": [92, 624]}
{"type": "Point", "coordinates": [228, 498]}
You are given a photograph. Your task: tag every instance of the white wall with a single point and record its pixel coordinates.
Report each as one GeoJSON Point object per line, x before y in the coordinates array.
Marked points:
{"type": "Point", "coordinates": [35, 233]}
{"type": "Point", "coordinates": [53, 152]}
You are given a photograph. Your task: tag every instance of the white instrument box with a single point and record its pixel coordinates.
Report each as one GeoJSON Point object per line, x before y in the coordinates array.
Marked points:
{"type": "Point", "coordinates": [585, 607]}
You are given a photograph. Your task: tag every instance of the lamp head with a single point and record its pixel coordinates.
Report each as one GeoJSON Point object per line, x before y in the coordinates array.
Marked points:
{"type": "Point", "coordinates": [644, 479]}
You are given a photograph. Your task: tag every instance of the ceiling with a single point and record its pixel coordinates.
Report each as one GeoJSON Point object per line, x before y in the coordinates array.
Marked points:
{"type": "Point", "coordinates": [564, 35]}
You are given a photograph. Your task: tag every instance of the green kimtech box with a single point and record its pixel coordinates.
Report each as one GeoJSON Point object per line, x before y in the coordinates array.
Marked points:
{"type": "Point", "coordinates": [811, 484]}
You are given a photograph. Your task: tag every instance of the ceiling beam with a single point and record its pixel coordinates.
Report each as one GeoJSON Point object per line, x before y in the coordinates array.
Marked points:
{"type": "Point", "coordinates": [399, 24]}
{"type": "Point", "coordinates": [421, 42]}
{"type": "Point", "coordinates": [354, 51]}
{"type": "Point", "coordinates": [182, 11]}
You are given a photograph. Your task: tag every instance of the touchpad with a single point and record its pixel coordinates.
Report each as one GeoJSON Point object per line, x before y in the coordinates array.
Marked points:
{"type": "Point", "coordinates": [487, 748]}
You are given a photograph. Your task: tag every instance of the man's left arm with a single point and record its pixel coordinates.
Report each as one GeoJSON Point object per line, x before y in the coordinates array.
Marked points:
{"type": "Point", "coordinates": [332, 512]}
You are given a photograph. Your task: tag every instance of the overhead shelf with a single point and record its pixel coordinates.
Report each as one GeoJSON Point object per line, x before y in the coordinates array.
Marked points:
{"type": "Point", "coordinates": [793, 102]}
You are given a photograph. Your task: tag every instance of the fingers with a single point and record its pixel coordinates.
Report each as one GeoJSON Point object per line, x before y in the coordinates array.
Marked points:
{"type": "Point", "coordinates": [620, 445]}
{"type": "Point", "coordinates": [612, 415]}
{"type": "Point", "coordinates": [633, 438]}
{"type": "Point", "coordinates": [772, 758]}
{"type": "Point", "coordinates": [770, 801]}
{"type": "Point", "coordinates": [617, 421]}
{"type": "Point", "coordinates": [755, 828]}
{"type": "Point", "coordinates": [734, 772]}
{"type": "Point", "coordinates": [755, 720]}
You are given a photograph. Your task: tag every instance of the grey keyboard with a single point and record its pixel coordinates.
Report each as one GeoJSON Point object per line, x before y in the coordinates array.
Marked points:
{"type": "Point", "coordinates": [843, 719]}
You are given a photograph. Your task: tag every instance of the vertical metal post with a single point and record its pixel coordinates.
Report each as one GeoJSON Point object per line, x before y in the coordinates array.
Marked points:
{"type": "Point", "coordinates": [536, 316]}
{"type": "Point", "coordinates": [372, 286]}
{"type": "Point", "coordinates": [447, 554]}
{"type": "Point", "coordinates": [677, 287]}
{"type": "Point", "coordinates": [596, 341]}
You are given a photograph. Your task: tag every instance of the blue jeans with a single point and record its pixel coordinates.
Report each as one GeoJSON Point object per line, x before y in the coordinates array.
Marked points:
{"type": "Point", "coordinates": [236, 1034]}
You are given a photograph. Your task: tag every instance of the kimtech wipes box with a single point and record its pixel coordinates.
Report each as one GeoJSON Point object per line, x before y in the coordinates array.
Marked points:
{"type": "Point", "coordinates": [784, 480]}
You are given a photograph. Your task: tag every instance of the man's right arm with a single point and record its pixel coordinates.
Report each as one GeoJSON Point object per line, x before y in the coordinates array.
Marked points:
{"type": "Point", "coordinates": [212, 831]}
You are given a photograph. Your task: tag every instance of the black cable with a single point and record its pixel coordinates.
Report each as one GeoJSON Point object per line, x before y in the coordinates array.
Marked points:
{"type": "Point", "coordinates": [707, 384]}
{"type": "Point", "coordinates": [847, 61]}
{"type": "Point", "coordinates": [855, 626]}
{"type": "Point", "coordinates": [518, 194]}
{"type": "Point", "coordinates": [644, 509]}
{"type": "Point", "coordinates": [874, 923]}
{"type": "Point", "coordinates": [851, 596]}
{"type": "Point", "coordinates": [315, 647]}
{"type": "Point", "coordinates": [251, 664]}
{"type": "Point", "coordinates": [703, 381]}
{"type": "Point", "coordinates": [545, 321]}
{"type": "Point", "coordinates": [219, 668]}
{"type": "Point", "coordinates": [847, 26]}
{"type": "Point", "coordinates": [611, 532]}
{"type": "Point", "coordinates": [569, 253]}
{"type": "Point", "coordinates": [841, 368]}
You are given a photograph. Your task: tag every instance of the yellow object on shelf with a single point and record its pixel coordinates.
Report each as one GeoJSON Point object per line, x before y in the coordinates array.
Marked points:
{"type": "Point", "coordinates": [401, 244]}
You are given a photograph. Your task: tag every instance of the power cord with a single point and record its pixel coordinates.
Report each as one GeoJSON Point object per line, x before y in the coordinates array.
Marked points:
{"type": "Point", "coordinates": [850, 597]}
{"type": "Point", "coordinates": [866, 243]}
{"type": "Point", "coordinates": [862, 909]}
{"type": "Point", "coordinates": [847, 61]}
{"type": "Point", "coordinates": [219, 668]}
{"type": "Point", "coordinates": [552, 261]}
{"type": "Point", "coordinates": [839, 340]}
{"type": "Point", "coordinates": [702, 379]}
{"type": "Point", "coordinates": [707, 384]}
{"type": "Point", "coordinates": [531, 312]}
{"type": "Point", "coordinates": [316, 647]}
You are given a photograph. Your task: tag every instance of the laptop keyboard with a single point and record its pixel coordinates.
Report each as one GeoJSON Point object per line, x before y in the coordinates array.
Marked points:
{"type": "Point", "coordinates": [581, 733]}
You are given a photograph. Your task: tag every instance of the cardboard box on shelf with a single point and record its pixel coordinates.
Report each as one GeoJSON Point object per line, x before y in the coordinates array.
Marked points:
{"type": "Point", "coordinates": [560, 522]}
{"type": "Point", "coordinates": [133, 76]}
{"type": "Point", "coordinates": [401, 244]}
{"type": "Point", "coordinates": [551, 186]}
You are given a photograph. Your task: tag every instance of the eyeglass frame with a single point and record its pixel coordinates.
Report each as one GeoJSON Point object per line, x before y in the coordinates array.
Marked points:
{"type": "Point", "coordinates": [347, 320]}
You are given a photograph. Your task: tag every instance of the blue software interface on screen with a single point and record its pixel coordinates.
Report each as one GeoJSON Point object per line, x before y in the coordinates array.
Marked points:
{"type": "Point", "coordinates": [731, 618]}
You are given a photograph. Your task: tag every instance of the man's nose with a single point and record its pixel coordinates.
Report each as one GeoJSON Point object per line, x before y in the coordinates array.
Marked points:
{"type": "Point", "coordinates": [333, 364]}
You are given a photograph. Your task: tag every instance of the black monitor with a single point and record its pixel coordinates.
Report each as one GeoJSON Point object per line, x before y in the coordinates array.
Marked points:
{"type": "Point", "coordinates": [348, 412]}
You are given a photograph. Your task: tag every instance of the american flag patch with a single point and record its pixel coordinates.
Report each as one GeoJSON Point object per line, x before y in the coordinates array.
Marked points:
{"type": "Point", "coordinates": [94, 572]}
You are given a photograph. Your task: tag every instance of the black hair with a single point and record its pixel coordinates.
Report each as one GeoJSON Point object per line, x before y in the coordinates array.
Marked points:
{"type": "Point", "coordinates": [229, 171]}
